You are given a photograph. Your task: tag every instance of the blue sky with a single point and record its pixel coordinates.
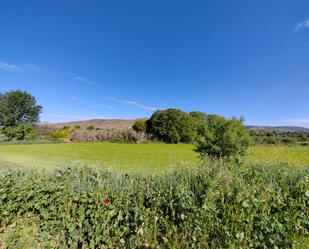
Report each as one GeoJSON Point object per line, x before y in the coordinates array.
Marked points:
{"type": "Point", "coordinates": [125, 59]}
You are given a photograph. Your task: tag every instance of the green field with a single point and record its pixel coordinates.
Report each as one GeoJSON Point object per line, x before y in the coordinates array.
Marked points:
{"type": "Point", "coordinates": [144, 158]}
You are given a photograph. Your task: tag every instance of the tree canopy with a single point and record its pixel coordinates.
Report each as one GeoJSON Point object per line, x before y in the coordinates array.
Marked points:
{"type": "Point", "coordinates": [19, 112]}
{"type": "Point", "coordinates": [222, 138]}
{"type": "Point", "coordinates": [171, 126]}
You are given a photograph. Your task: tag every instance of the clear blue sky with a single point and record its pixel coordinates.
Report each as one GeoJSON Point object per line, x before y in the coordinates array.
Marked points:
{"type": "Point", "coordinates": [124, 59]}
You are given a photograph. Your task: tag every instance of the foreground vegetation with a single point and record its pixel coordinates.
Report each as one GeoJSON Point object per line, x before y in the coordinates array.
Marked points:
{"type": "Point", "coordinates": [217, 205]}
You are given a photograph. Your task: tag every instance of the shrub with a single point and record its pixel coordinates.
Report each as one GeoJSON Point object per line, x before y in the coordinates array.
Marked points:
{"type": "Point", "coordinates": [289, 141]}
{"type": "Point", "coordinates": [217, 205]}
{"type": "Point", "coordinates": [64, 133]}
{"type": "Point", "coordinates": [61, 134]}
{"type": "Point", "coordinates": [222, 138]}
{"type": "Point", "coordinates": [90, 128]}
{"type": "Point", "coordinates": [270, 140]}
{"type": "Point", "coordinates": [111, 135]}
{"type": "Point", "coordinates": [139, 126]}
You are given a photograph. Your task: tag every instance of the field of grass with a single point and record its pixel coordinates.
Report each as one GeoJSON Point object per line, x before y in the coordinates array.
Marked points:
{"type": "Point", "coordinates": [293, 155]}
{"type": "Point", "coordinates": [142, 158]}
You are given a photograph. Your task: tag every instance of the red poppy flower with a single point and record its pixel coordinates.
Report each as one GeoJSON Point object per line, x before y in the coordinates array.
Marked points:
{"type": "Point", "coordinates": [105, 202]}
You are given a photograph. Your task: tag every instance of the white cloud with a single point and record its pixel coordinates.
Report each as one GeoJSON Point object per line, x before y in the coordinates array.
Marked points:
{"type": "Point", "coordinates": [30, 67]}
{"type": "Point", "coordinates": [9, 67]}
{"type": "Point", "coordinates": [302, 25]}
{"type": "Point", "coordinates": [23, 67]}
{"type": "Point", "coordinates": [83, 79]}
{"type": "Point", "coordinates": [133, 103]}
{"type": "Point", "coordinates": [69, 117]}
{"type": "Point", "coordinates": [303, 122]}
{"type": "Point", "coordinates": [146, 107]}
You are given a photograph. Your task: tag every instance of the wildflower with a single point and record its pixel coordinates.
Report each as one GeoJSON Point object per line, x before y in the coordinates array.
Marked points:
{"type": "Point", "coordinates": [105, 202]}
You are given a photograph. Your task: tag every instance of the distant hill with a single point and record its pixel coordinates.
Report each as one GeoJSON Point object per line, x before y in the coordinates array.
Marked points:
{"type": "Point", "coordinates": [127, 123]}
{"type": "Point", "coordinates": [278, 128]}
{"type": "Point", "coordinates": [99, 123]}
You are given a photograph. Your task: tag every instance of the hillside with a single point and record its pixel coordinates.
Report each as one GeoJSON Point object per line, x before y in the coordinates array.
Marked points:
{"type": "Point", "coordinates": [278, 128]}
{"type": "Point", "coordinates": [127, 123]}
{"type": "Point", "coordinates": [99, 123]}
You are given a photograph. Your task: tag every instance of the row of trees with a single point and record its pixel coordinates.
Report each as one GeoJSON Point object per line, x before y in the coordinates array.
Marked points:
{"type": "Point", "coordinates": [214, 135]}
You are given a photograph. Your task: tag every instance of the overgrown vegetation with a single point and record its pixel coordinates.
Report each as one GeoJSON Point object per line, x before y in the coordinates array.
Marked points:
{"type": "Point", "coordinates": [280, 138]}
{"type": "Point", "coordinates": [108, 135]}
{"type": "Point", "coordinates": [217, 205]}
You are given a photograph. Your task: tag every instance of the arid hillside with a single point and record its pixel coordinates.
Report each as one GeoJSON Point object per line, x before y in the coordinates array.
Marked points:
{"type": "Point", "coordinates": [99, 123]}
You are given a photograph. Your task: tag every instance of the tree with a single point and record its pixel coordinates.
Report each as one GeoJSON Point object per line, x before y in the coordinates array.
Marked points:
{"type": "Point", "coordinates": [198, 118]}
{"type": "Point", "coordinates": [171, 126]}
{"type": "Point", "coordinates": [222, 138]}
{"type": "Point", "coordinates": [139, 126]}
{"type": "Point", "coordinates": [201, 116]}
{"type": "Point", "coordinates": [19, 113]}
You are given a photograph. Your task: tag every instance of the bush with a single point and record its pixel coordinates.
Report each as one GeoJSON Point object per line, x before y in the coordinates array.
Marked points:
{"type": "Point", "coordinates": [111, 135]}
{"type": "Point", "coordinates": [139, 126]}
{"type": "Point", "coordinates": [171, 126]}
{"type": "Point", "coordinates": [270, 140]}
{"type": "Point", "coordinates": [218, 205]}
{"type": "Point", "coordinates": [222, 138]}
{"type": "Point", "coordinates": [289, 141]}
{"type": "Point", "coordinates": [64, 133]}
{"type": "Point", "coordinates": [61, 134]}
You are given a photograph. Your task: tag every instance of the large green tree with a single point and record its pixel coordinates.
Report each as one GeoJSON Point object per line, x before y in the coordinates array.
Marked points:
{"type": "Point", "coordinates": [222, 138]}
{"type": "Point", "coordinates": [171, 126]}
{"type": "Point", "coordinates": [19, 112]}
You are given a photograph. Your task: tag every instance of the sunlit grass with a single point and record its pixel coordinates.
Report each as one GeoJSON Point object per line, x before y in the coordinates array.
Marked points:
{"type": "Point", "coordinates": [291, 155]}
{"type": "Point", "coordinates": [141, 158]}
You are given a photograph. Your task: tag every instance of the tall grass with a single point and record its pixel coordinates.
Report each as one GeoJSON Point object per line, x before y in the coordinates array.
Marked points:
{"type": "Point", "coordinates": [217, 205]}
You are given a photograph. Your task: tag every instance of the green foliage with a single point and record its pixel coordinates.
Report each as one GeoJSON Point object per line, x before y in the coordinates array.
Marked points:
{"type": "Point", "coordinates": [280, 138]}
{"type": "Point", "coordinates": [171, 126]}
{"type": "Point", "coordinates": [20, 131]}
{"type": "Point", "coordinates": [222, 138]}
{"type": "Point", "coordinates": [61, 134]}
{"type": "Point", "coordinates": [139, 126]}
{"type": "Point", "coordinates": [217, 205]}
{"type": "Point", "coordinates": [90, 128]}
{"type": "Point", "coordinates": [19, 113]}
{"type": "Point", "coordinates": [270, 140]}
{"type": "Point", "coordinates": [201, 116]}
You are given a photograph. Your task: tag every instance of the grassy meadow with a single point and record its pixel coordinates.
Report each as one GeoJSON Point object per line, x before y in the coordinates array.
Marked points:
{"type": "Point", "coordinates": [141, 158]}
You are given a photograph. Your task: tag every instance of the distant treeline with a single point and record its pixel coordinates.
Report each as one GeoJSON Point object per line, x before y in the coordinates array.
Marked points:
{"type": "Point", "coordinates": [280, 138]}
